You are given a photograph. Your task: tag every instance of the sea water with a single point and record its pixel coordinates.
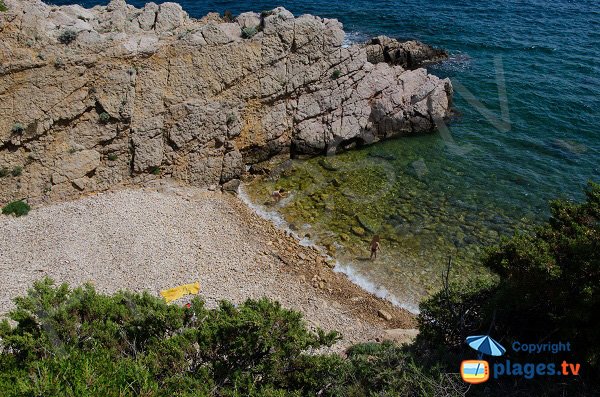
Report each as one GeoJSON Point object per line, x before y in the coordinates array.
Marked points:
{"type": "Point", "coordinates": [527, 82]}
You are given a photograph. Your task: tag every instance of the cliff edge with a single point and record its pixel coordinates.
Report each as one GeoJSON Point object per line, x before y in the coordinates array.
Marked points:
{"type": "Point", "coordinates": [90, 98]}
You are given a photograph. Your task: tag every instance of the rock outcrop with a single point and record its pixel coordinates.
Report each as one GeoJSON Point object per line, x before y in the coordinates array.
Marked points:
{"type": "Point", "coordinates": [90, 98]}
{"type": "Point", "coordinates": [408, 54]}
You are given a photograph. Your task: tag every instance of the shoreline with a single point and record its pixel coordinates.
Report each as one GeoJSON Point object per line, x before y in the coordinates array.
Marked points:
{"type": "Point", "coordinates": [166, 234]}
{"type": "Point", "coordinates": [345, 269]}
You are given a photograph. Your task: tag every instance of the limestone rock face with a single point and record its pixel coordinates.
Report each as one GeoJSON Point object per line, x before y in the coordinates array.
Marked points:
{"type": "Point", "coordinates": [90, 98]}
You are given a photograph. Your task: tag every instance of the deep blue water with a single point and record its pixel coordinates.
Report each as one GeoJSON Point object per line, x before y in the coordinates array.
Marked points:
{"type": "Point", "coordinates": [532, 65]}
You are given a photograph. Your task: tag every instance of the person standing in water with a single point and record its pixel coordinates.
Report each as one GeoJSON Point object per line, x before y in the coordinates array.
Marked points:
{"type": "Point", "coordinates": [277, 195]}
{"type": "Point", "coordinates": [375, 246]}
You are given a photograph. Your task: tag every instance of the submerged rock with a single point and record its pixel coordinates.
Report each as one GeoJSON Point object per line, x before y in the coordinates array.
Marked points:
{"type": "Point", "coordinates": [199, 100]}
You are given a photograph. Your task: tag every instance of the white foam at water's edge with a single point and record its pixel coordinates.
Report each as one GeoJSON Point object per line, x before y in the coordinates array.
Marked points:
{"type": "Point", "coordinates": [346, 269]}
{"type": "Point", "coordinates": [351, 38]}
{"type": "Point", "coordinates": [371, 287]}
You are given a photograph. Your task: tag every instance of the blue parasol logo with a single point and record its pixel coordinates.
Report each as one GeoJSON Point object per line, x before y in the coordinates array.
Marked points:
{"type": "Point", "coordinates": [484, 344]}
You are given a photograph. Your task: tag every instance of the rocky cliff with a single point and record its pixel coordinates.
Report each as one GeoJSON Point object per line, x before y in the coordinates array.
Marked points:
{"type": "Point", "coordinates": [90, 98]}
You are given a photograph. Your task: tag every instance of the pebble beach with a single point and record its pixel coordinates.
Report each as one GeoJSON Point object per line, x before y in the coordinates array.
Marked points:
{"type": "Point", "coordinates": [166, 234]}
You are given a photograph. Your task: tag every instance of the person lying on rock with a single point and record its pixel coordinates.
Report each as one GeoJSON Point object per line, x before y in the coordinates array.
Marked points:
{"type": "Point", "coordinates": [375, 246]}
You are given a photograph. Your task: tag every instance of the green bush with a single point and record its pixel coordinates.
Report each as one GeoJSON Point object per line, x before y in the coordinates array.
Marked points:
{"type": "Point", "coordinates": [249, 32]}
{"type": "Point", "coordinates": [17, 128]}
{"type": "Point", "coordinates": [155, 170]}
{"type": "Point", "coordinates": [551, 279]}
{"type": "Point", "coordinates": [67, 37]}
{"type": "Point", "coordinates": [17, 171]}
{"type": "Point", "coordinates": [231, 118]}
{"type": "Point", "coordinates": [136, 344]}
{"type": "Point", "coordinates": [4, 172]}
{"type": "Point", "coordinates": [336, 74]}
{"type": "Point", "coordinates": [449, 316]}
{"type": "Point", "coordinates": [548, 289]}
{"type": "Point", "coordinates": [18, 208]}
{"type": "Point", "coordinates": [228, 16]}
{"type": "Point", "coordinates": [77, 342]}
{"type": "Point", "coordinates": [112, 157]}
{"type": "Point", "coordinates": [265, 14]}
{"type": "Point", "coordinates": [104, 117]}
{"type": "Point", "coordinates": [3, 6]}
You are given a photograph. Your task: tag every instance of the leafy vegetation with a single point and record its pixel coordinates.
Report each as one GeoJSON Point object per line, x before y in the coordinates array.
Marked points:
{"type": "Point", "coordinates": [231, 118]}
{"type": "Point", "coordinates": [67, 37]}
{"type": "Point", "coordinates": [16, 171]}
{"type": "Point", "coordinates": [18, 208]}
{"type": "Point", "coordinates": [104, 117]}
{"type": "Point", "coordinates": [3, 6]}
{"type": "Point", "coordinates": [228, 16]}
{"type": "Point", "coordinates": [266, 13]}
{"type": "Point", "coordinates": [78, 342]}
{"type": "Point", "coordinates": [249, 32]}
{"type": "Point", "coordinates": [336, 74]}
{"type": "Point", "coordinates": [17, 128]}
{"type": "Point", "coordinates": [155, 170]}
{"type": "Point", "coordinates": [548, 290]}
{"type": "Point", "coordinates": [4, 172]}
{"type": "Point", "coordinates": [112, 157]}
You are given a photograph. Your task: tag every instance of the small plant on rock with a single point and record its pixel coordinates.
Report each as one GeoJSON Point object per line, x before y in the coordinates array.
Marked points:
{"type": "Point", "coordinates": [18, 208]}
{"type": "Point", "coordinates": [104, 117]}
{"type": "Point", "coordinates": [112, 157]}
{"type": "Point", "coordinates": [67, 37]}
{"type": "Point", "coordinates": [155, 170]}
{"type": "Point", "coordinates": [59, 63]}
{"type": "Point", "coordinates": [228, 16]}
{"type": "Point", "coordinates": [17, 171]}
{"type": "Point", "coordinates": [4, 172]}
{"type": "Point", "coordinates": [249, 32]}
{"type": "Point", "coordinates": [265, 14]}
{"type": "Point", "coordinates": [231, 119]}
{"type": "Point", "coordinates": [3, 6]}
{"type": "Point", "coordinates": [17, 128]}
{"type": "Point", "coordinates": [336, 74]}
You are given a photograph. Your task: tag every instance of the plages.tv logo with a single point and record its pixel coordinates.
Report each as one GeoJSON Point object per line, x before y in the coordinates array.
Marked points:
{"type": "Point", "coordinates": [478, 371]}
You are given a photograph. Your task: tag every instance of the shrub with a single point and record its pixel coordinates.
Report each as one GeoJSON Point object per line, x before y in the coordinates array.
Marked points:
{"type": "Point", "coordinates": [249, 32]}
{"type": "Point", "coordinates": [18, 208]}
{"type": "Point", "coordinates": [449, 316]}
{"type": "Point", "coordinates": [336, 74]}
{"type": "Point", "coordinates": [67, 37]}
{"type": "Point", "coordinates": [4, 172]}
{"type": "Point", "coordinates": [17, 128]}
{"type": "Point", "coordinates": [59, 63]}
{"type": "Point", "coordinates": [3, 6]}
{"type": "Point", "coordinates": [548, 288]}
{"type": "Point", "coordinates": [231, 118]}
{"type": "Point", "coordinates": [265, 14]}
{"type": "Point", "coordinates": [104, 117]}
{"type": "Point", "coordinates": [71, 342]}
{"type": "Point", "coordinates": [540, 272]}
{"type": "Point", "coordinates": [155, 170]}
{"type": "Point", "coordinates": [17, 171]}
{"type": "Point", "coordinates": [136, 344]}
{"type": "Point", "coordinates": [228, 16]}
{"type": "Point", "coordinates": [112, 157]}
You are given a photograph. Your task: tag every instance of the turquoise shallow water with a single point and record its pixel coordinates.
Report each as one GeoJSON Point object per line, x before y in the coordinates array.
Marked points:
{"type": "Point", "coordinates": [532, 66]}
